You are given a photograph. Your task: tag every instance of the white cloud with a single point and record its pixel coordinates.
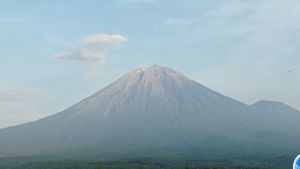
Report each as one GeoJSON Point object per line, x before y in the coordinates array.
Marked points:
{"type": "Point", "coordinates": [104, 38]}
{"type": "Point", "coordinates": [92, 48]}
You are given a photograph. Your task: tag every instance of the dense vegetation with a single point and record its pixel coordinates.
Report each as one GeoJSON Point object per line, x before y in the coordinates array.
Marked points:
{"type": "Point", "coordinates": [147, 163]}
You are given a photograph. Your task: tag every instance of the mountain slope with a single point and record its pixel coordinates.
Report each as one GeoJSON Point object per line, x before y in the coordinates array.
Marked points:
{"type": "Point", "coordinates": [279, 119]}
{"type": "Point", "coordinates": [146, 108]}
{"type": "Point", "coordinates": [277, 114]}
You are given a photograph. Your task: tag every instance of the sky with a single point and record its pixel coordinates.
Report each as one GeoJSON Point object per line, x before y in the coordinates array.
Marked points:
{"type": "Point", "coordinates": [55, 53]}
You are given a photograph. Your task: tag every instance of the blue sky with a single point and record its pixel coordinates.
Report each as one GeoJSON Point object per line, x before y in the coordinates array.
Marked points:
{"type": "Point", "coordinates": [246, 49]}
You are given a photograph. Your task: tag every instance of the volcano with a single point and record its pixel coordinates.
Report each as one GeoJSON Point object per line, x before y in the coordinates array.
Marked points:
{"type": "Point", "coordinates": [157, 109]}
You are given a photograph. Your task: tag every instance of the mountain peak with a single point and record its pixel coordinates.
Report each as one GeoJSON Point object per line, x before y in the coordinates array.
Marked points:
{"type": "Point", "coordinates": [269, 103]}
{"type": "Point", "coordinates": [274, 105]}
{"type": "Point", "coordinates": [156, 74]}
{"type": "Point", "coordinates": [155, 68]}
{"type": "Point", "coordinates": [155, 71]}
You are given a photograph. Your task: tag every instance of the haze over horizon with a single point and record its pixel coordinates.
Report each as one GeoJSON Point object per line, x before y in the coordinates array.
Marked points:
{"type": "Point", "coordinates": [247, 50]}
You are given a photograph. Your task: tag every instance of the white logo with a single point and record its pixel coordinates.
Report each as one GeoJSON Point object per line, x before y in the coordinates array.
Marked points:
{"type": "Point", "coordinates": [296, 164]}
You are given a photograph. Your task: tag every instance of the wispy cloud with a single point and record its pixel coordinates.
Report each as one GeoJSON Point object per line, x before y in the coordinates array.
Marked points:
{"type": "Point", "coordinates": [12, 95]}
{"type": "Point", "coordinates": [19, 104]}
{"type": "Point", "coordinates": [137, 1]}
{"type": "Point", "coordinates": [13, 20]}
{"type": "Point", "coordinates": [231, 8]}
{"type": "Point", "coordinates": [92, 48]}
{"type": "Point", "coordinates": [264, 37]}
{"type": "Point", "coordinates": [181, 23]}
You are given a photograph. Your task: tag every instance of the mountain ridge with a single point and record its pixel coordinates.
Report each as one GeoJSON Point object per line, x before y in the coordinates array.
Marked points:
{"type": "Point", "coordinates": [150, 107]}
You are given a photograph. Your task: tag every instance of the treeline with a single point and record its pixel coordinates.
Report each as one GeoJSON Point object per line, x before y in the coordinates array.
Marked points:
{"type": "Point", "coordinates": [131, 164]}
